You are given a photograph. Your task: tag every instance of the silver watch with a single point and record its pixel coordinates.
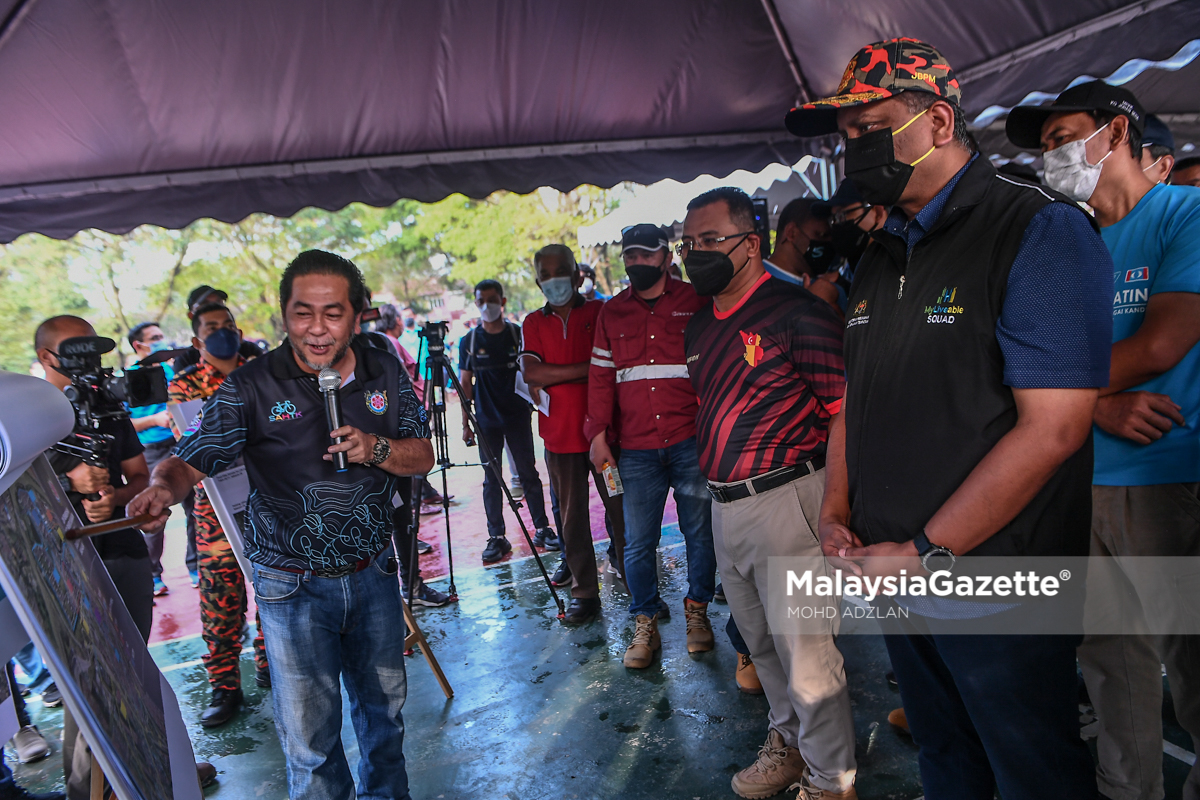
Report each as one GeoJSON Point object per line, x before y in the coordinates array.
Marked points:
{"type": "Point", "coordinates": [383, 449]}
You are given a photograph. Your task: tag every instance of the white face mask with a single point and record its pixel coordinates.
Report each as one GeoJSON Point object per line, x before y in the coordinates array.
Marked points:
{"type": "Point", "coordinates": [490, 312]}
{"type": "Point", "coordinates": [1068, 170]}
{"type": "Point", "coordinates": [588, 285]}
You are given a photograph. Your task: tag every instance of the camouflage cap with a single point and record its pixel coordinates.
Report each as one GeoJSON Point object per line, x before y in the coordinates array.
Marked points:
{"type": "Point", "coordinates": [876, 72]}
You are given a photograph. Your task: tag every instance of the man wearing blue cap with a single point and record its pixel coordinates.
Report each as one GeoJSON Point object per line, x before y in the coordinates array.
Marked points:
{"type": "Point", "coordinates": [1158, 150]}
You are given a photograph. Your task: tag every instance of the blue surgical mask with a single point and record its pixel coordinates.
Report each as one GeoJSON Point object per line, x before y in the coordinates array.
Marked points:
{"type": "Point", "coordinates": [223, 343]}
{"type": "Point", "coordinates": [558, 291]}
{"type": "Point", "coordinates": [160, 345]}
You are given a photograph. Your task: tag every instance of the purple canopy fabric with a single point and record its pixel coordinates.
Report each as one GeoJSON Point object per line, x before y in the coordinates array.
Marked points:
{"type": "Point", "coordinates": [123, 112]}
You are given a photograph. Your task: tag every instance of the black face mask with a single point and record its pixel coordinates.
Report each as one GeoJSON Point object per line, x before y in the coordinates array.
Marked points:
{"type": "Point", "coordinates": [820, 256]}
{"type": "Point", "coordinates": [710, 271]}
{"type": "Point", "coordinates": [871, 163]}
{"type": "Point", "coordinates": [849, 240]}
{"type": "Point", "coordinates": [642, 276]}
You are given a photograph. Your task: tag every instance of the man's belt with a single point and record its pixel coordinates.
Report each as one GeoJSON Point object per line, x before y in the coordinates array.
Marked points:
{"type": "Point", "coordinates": [727, 493]}
{"type": "Point", "coordinates": [335, 572]}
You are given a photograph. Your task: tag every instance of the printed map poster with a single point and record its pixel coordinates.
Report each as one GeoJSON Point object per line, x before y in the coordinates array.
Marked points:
{"type": "Point", "coordinates": [68, 604]}
{"type": "Point", "coordinates": [228, 491]}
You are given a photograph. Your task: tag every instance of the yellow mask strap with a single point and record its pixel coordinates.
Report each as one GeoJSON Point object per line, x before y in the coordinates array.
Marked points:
{"type": "Point", "coordinates": [905, 125]}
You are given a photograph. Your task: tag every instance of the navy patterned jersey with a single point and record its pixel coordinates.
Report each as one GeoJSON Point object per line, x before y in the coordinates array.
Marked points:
{"type": "Point", "coordinates": [301, 513]}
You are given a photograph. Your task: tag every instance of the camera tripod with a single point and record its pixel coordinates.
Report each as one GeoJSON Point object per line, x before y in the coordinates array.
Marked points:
{"type": "Point", "coordinates": [438, 370]}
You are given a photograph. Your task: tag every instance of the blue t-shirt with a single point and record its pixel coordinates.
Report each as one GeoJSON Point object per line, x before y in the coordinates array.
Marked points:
{"type": "Point", "coordinates": [155, 434]}
{"type": "Point", "coordinates": [1155, 248]}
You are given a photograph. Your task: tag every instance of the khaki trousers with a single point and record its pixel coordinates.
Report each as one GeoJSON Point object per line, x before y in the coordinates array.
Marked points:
{"type": "Point", "coordinates": [569, 473]}
{"type": "Point", "coordinates": [803, 676]}
{"type": "Point", "coordinates": [1123, 673]}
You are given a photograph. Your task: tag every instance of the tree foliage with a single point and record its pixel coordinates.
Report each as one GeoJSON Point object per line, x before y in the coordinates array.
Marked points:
{"type": "Point", "coordinates": [410, 250]}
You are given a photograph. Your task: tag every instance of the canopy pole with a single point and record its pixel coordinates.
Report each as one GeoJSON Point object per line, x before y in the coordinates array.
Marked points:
{"type": "Point", "coordinates": [803, 95]}
{"type": "Point", "coordinates": [1090, 27]}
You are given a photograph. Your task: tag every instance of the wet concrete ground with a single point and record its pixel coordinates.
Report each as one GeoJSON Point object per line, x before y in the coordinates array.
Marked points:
{"type": "Point", "coordinates": [543, 710]}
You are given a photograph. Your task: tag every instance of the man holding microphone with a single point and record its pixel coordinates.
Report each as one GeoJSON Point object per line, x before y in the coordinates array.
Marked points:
{"type": "Point", "coordinates": [326, 591]}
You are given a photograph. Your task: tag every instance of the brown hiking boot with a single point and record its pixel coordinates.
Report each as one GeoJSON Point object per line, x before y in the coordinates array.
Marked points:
{"type": "Point", "coordinates": [899, 719]}
{"type": "Point", "coordinates": [644, 643]}
{"type": "Point", "coordinates": [747, 676]}
{"type": "Point", "coordinates": [699, 629]}
{"type": "Point", "coordinates": [777, 768]}
{"type": "Point", "coordinates": [810, 791]}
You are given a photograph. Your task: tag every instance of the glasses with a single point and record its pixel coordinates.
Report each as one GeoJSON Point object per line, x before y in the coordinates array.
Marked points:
{"type": "Point", "coordinates": [706, 243]}
{"type": "Point", "coordinates": [845, 216]}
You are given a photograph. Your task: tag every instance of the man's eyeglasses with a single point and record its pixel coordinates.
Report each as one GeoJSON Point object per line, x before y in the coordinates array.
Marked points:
{"type": "Point", "coordinates": [854, 215]}
{"type": "Point", "coordinates": [705, 243]}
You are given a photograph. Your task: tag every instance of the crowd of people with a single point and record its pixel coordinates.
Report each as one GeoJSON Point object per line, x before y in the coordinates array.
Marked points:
{"type": "Point", "coordinates": [806, 399]}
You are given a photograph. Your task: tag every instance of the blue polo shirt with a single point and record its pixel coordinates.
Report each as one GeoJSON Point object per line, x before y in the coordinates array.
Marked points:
{"type": "Point", "coordinates": [1155, 248]}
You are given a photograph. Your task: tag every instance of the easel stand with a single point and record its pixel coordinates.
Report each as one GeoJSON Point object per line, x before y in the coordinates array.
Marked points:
{"type": "Point", "coordinates": [416, 638]}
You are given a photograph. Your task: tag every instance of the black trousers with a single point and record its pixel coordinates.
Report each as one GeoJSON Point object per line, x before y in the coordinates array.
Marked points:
{"type": "Point", "coordinates": [518, 434]}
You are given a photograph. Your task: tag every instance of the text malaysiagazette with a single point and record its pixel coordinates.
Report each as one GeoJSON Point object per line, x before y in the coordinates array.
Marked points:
{"type": "Point", "coordinates": [940, 584]}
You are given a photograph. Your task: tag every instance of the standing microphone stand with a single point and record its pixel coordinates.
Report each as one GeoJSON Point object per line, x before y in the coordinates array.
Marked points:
{"type": "Point", "coordinates": [438, 369]}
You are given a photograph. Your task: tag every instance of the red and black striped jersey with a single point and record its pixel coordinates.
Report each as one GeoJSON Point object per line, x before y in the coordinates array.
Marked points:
{"type": "Point", "coordinates": [770, 376]}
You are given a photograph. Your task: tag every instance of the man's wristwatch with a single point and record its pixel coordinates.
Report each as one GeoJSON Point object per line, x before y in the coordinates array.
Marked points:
{"type": "Point", "coordinates": [934, 558]}
{"type": "Point", "coordinates": [383, 449]}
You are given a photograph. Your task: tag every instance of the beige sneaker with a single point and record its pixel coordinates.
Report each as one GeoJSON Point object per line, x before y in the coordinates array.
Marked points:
{"type": "Point", "coordinates": [699, 629]}
{"type": "Point", "coordinates": [778, 767]}
{"type": "Point", "coordinates": [747, 676]}
{"type": "Point", "coordinates": [644, 644]}
{"type": "Point", "coordinates": [810, 791]}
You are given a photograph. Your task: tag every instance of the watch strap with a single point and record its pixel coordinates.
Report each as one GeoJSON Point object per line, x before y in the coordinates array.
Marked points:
{"type": "Point", "coordinates": [922, 543]}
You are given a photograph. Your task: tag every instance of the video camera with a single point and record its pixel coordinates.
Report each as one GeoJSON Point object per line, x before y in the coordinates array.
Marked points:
{"type": "Point", "coordinates": [96, 394]}
{"type": "Point", "coordinates": [434, 334]}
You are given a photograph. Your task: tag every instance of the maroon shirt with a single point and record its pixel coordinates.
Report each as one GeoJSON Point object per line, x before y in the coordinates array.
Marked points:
{"type": "Point", "coordinates": [638, 385]}
{"type": "Point", "coordinates": [770, 376]}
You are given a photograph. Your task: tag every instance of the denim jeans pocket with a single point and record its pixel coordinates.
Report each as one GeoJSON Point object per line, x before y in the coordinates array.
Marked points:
{"type": "Point", "coordinates": [386, 565]}
{"type": "Point", "coordinates": [273, 586]}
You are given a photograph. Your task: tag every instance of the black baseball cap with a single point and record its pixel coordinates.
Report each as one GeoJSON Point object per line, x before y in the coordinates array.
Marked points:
{"type": "Point", "coordinates": [1024, 126]}
{"type": "Point", "coordinates": [643, 237]}
{"type": "Point", "coordinates": [1157, 134]}
{"type": "Point", "coordinates": [846, 195]}
{"type": "Point", "coordinates": [201, 293]}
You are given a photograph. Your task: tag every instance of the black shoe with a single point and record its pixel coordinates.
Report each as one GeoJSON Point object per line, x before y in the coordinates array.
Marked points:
{"type": "Point", "coordinates": [52, 697]}
{"type": "Point", "coordinates": [497, 548]}
{"type": "Point", "coordinates": [546, 537]}
{"type": "Point", "coordinates": [15, 792]}
{"type": "Point", "coordinates": [562, 576]}
{"type": "Point", "coordinates": [891, 680]}
{"type": "Point", "coordinates": [581, 610]}
{"type": "Point", "coordinates": [423, 547]}
{"type": "Point", "coordinates": [427, 596]}
{"type": "Point", "coordinates": [719, 593]}
{"type": "Point", "coordinates": [225, 704]}
{"type": "Point", "coordinates": [262, 677]}
{"type": "Point", "coordinates": [664, 610]}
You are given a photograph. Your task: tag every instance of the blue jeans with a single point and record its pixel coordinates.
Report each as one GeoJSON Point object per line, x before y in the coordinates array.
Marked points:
{"type": "Point", "coordinates": [320, 629]}
{"type": "Point", "coordinates": [647, 475]}
{"type": "Point", "coordinates": [518, 433]}
{"type": "Point", "coordinates": [994, 712]}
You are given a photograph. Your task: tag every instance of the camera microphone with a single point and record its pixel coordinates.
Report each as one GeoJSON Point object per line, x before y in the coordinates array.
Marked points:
{"type": "Point", "coordinates": [329, 381]}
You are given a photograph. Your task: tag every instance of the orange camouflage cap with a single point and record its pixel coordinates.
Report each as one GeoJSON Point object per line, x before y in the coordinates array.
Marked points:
{"type": "Point", "coordinates": [878, 71]}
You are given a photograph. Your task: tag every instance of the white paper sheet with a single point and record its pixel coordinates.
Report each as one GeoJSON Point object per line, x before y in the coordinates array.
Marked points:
{"type": "Point", "coordinates": [522, 390]}
{"type": "Point", "coordinates": [34, 415]}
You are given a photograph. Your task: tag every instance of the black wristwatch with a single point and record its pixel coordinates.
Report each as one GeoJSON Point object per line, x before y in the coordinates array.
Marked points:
{"type": "Point", "coordinates": [383, 449]}
{"type": "Point", "coordinates": [934, 558]}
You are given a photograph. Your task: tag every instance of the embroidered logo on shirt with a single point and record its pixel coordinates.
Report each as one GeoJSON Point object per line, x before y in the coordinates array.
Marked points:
{"type": "Point", "coordinates": [283, 410]}
{"type": "Point", "coordinates": [860, 315]}
{"type": "Point", "coordinates": [754, 351]}
{"type": "Point", "coordinates": [376, 401]}
{"type": "Point", "coordinates": [1137, 275]}
{"type": "Point", "coordinates": [943, 310]}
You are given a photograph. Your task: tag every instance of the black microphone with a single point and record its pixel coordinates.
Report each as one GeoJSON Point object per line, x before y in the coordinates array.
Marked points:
{"type": "Point", "coordinates": [329, 381]}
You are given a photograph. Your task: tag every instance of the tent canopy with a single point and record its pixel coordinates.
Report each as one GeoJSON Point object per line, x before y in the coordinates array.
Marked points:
{"type": "Point", "coordinates": [123, 112]}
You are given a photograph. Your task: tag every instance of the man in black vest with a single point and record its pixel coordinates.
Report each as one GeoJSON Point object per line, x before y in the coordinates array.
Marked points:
{"type": "Point", "coordinates": [976, 340]}
{"type": "Point", "coordinates": [318, 539]}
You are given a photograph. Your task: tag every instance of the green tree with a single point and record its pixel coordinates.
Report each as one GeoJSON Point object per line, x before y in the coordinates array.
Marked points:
{"type": "Point", "coordinates": [34, 285]}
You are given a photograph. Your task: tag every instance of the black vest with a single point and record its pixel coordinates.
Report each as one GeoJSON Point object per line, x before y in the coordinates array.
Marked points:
{"type": "Point", "coordinates": [925, 396]}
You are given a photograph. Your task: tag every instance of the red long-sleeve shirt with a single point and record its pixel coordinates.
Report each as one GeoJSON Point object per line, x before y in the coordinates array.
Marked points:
{"type": "Point", "coordinates": [638, 386]}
